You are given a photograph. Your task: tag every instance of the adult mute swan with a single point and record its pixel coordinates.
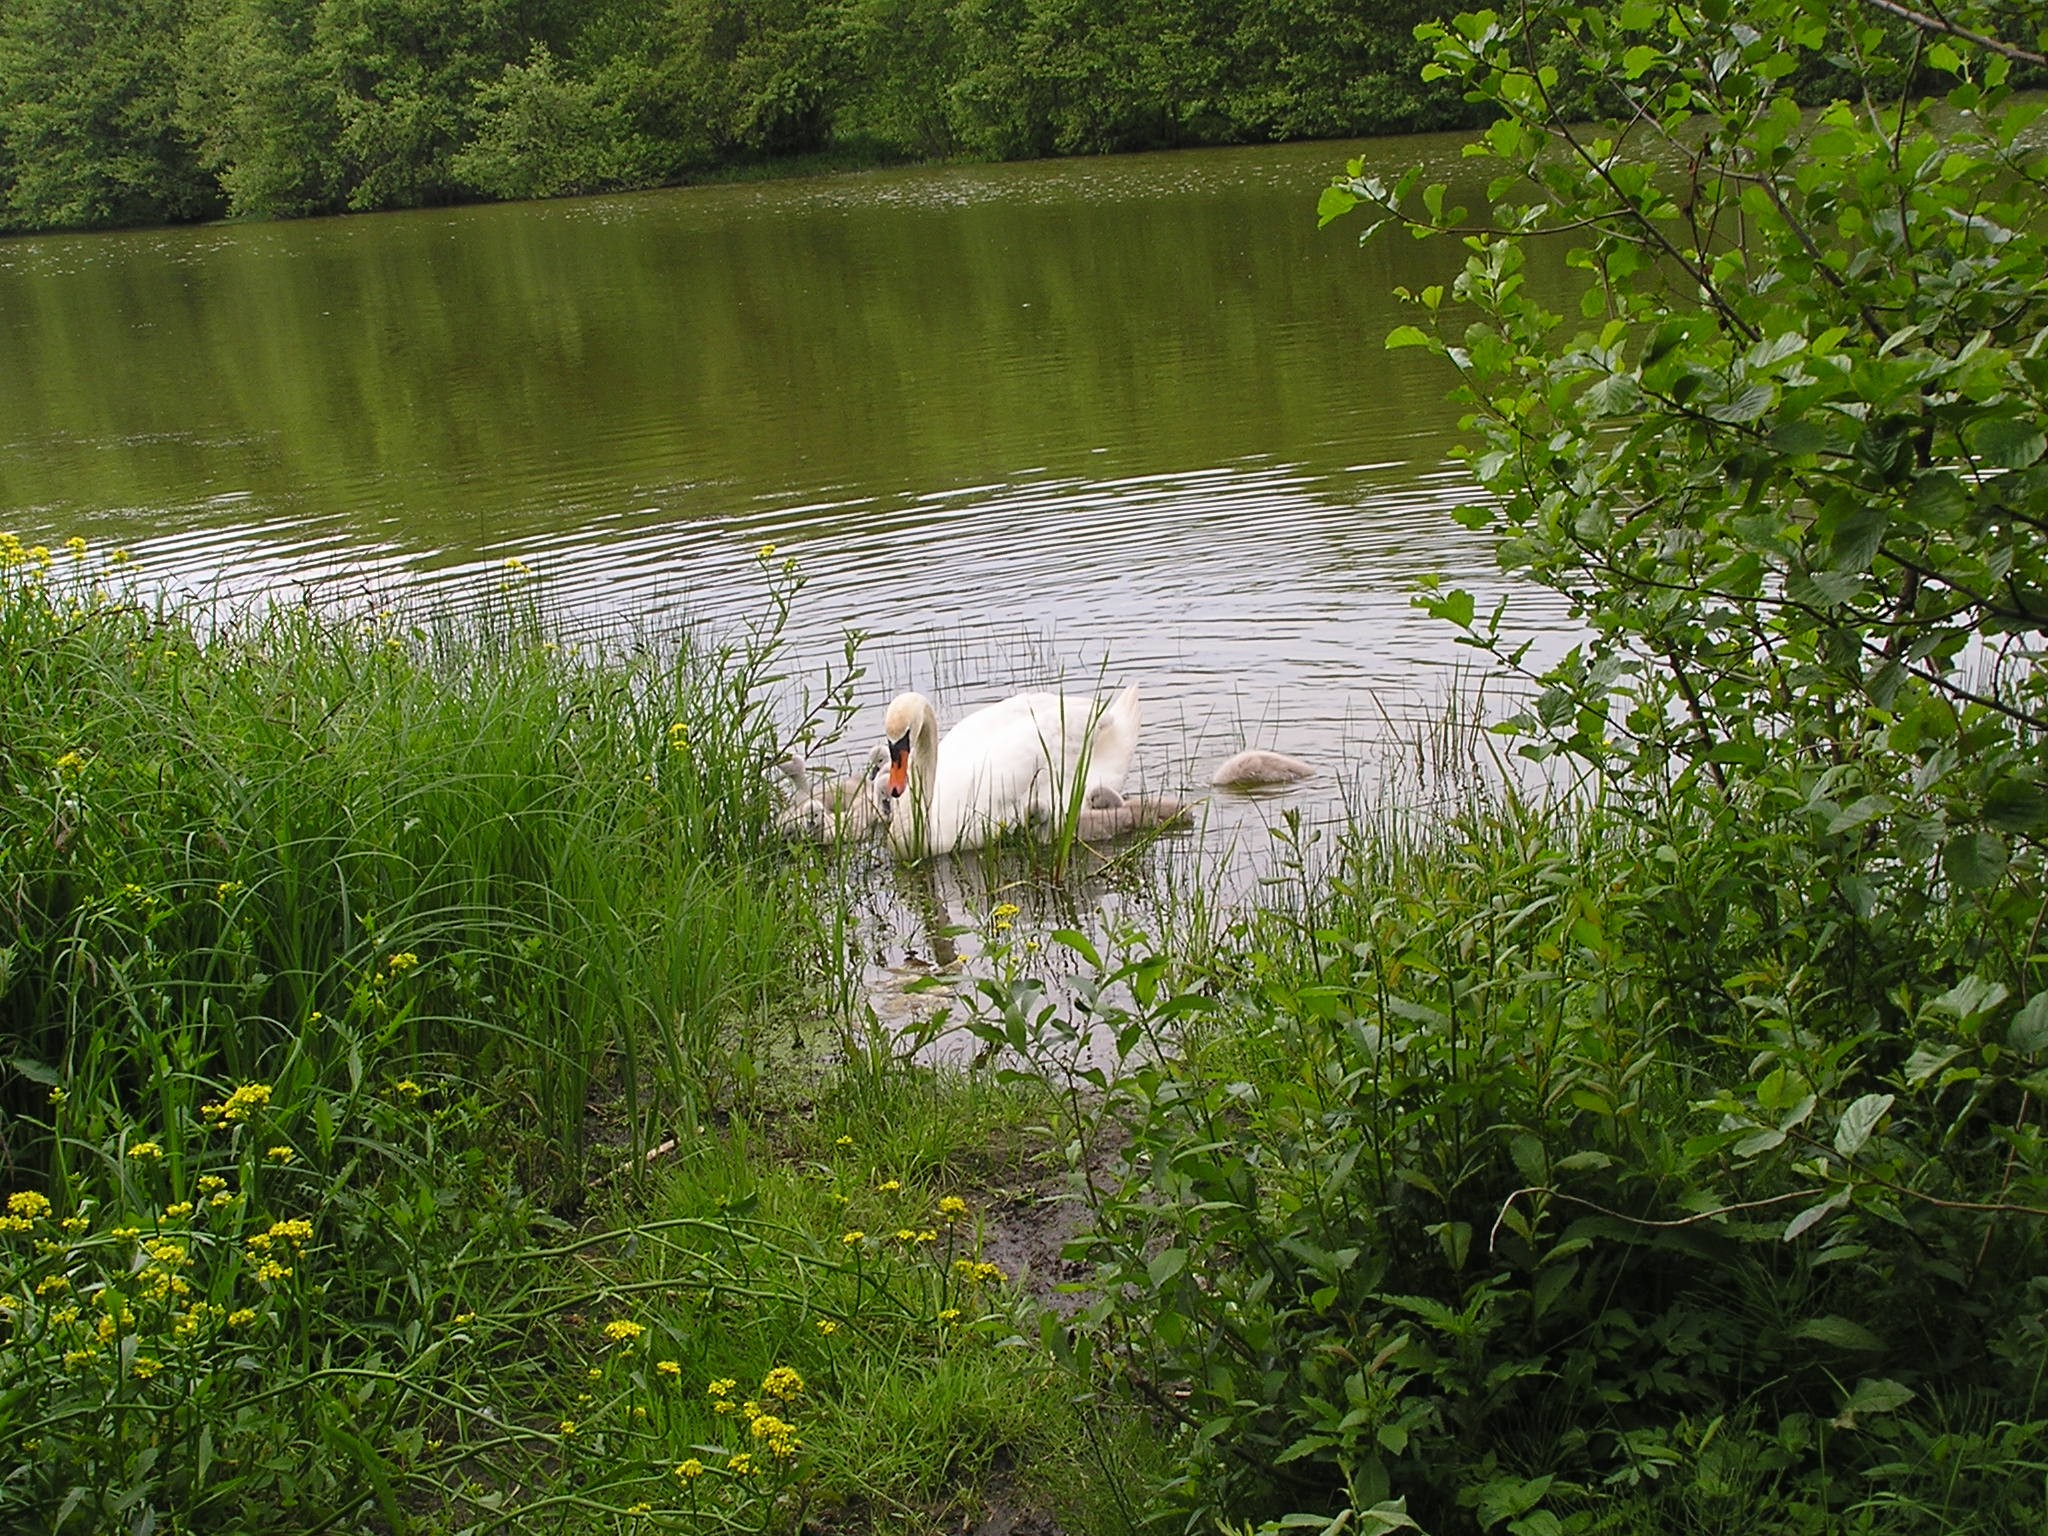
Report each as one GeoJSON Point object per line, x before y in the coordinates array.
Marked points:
{"type": "Point", "coordinates": [1004, 765]}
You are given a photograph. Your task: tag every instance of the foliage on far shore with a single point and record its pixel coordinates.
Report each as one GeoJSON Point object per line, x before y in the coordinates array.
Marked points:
{"type": "Point", "coordinates": [157, 111]}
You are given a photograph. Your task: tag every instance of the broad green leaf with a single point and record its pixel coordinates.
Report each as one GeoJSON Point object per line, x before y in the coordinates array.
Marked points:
{"type": "Point", "coordinates": [1873, 1397]}
{"type": "Point", "coordinates": [1974, 860]}
{"type": "Point", "coordinates": [2029, 1032]}
{"type": "Point", "coordinates": [2009, 442]}
{"type": "Point", "coordinates": [1406, 336]}
{"type": "Point", "coordinates": [1859, 1120]}
{"type": "Point", "coordinates": [1839, 1333]}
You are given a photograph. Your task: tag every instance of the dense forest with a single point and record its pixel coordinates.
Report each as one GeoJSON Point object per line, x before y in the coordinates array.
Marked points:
{"type": "Point", "coordinates": [122, 112]}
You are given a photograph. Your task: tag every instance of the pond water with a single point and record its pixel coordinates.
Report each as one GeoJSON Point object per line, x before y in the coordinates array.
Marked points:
{"type": "Point", "coordinates": [1104, 420]}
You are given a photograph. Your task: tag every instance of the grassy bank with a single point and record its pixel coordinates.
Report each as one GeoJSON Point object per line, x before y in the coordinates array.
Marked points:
{"type": "Point", "coordinates": [390, 1130]}
{"type": "Point", "coordinates": [426, 1108]}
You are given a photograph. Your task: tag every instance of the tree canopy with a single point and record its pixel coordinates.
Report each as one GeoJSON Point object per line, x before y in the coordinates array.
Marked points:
{"type": "Point", "coordinates": [138, 111]}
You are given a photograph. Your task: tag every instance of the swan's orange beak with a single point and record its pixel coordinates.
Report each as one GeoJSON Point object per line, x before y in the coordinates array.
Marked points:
{"type": "Point", "coordinates": [899, 766]}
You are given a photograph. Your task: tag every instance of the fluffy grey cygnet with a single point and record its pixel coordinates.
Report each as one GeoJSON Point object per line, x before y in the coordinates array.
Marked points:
{"type": "Point", "coordinates": [1258, 769]}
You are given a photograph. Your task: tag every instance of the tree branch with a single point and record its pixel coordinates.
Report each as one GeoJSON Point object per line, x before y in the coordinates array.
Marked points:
{"type": "Point", "coordinates": [1947, 28]}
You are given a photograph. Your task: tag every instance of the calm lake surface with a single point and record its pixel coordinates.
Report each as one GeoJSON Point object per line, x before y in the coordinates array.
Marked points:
{"type": "Point", "coordinates": [1127, 419]}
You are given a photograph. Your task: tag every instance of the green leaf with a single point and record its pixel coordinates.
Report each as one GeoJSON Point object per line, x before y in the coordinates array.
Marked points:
{"type": "Point", "coordinates": [1814, 1214]}
{"type": "Point", "coordinates": [2029, 1032]}
{"type": "Point", "coordinates": [1333, 204]}
{"type": "Point", "coordinates": [1974, 860]}
{"type": "Point", "coordinates": [1750, 405]}
{"type": "Point", "coordinates": [1164, 1265]}
{"type": "Point", "coordinates": [1873, 1397]}
{"type": "Point", "coordinates": [1859, 1120]}
{"type": "Point", "coordinates": [1839, 1333]}
{"type": "Point", "coordinates": [2009, 442]}
{"type": "Point", "coordinates": [1406, 336]}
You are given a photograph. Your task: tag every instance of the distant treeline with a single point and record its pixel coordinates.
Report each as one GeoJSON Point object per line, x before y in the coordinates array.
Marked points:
{"type": "Point", "coordinates": [116, 112]}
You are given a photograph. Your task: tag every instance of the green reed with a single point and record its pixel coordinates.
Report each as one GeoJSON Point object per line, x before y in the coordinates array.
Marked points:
{"type": "Point", "coordinates": [223, 835]}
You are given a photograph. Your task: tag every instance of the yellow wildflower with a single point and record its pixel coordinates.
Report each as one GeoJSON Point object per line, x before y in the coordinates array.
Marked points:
{"type": "Point", "coordinates": [77, 1224]}
{"type": "Point", "coordinates": [641, 1508]}
{"type": "Point", "coordinates": [15, 1224]}
{"type": "Point", "coordinates": [125, 1234]}
{"type": "Point", "coordinates": [888, 1186]}
{"type": "Point", "coordinates": [905, 1235]}
{"type": "Point", "coordinates": [76, 546]}
{"type": "Point", "coordinates": [241, 1317]}
{"type": "Point", "coordinates": [668, 1368]}
{"type": "Point", "coordinates": [850, 1238]}
{"type": "Point", "coordinates": [145, 1150]}
{"type": "Point", "coordinates": [70, 762]}
{"type": "Point", "coordinates": [64, 1317]}
{"type": "Point", "coordinates": [568, 1428]}
{"type": "Point", "coordinates": [144, 1367]}
{"type": "Point", "coordinates": [1005, 909]}
{"type": "Point", "coordinates": [178, 1211]}
{"type": "Point", "coordinates": [952, 1206]}
{"type": "Point", "coordinates": [209, 1182]}
{"type": "Point", "coordinates": [403, 961]}
{"type": "Point", "coordinates": [280, 1155]}
{"type": "Point", "coordinates": [827, 1327]}
{"type": "Point", "coordinates": [767, 551]}
{"type": "Point", "coordinates": [240, 1104]}
{"type": "Point", "coordinates": [783, 1384]}
{"type": "Point", "coordinates": [31, 1203]}
{"type": "Point", "coordinates": [689, 1469]}
{"type": "Point", "coordinates": [51, 1285]}
{"type": "Point", "coordinates": [950, 1315]}
{"type": "Point", "coordinates": [844, 1141]}
{"type": "Point", "coordinates": [741, 1465]}
{"type": "Point", "coordinates": [271, 1270]}
{"type": "Point", "coordinates": [74, 1358]}
{"type": "Point", "coordinates": [406, 1088]}
{"type": "Point", "coordinates": [120, 557]}
{"type": "Point", "coordinates": [624, 1331]}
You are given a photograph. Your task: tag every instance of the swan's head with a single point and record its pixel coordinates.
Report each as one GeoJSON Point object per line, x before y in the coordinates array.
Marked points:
{"type": "Point", "coordinates": [906, 712]}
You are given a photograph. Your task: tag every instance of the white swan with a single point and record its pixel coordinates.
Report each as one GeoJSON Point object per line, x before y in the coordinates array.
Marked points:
{"type": "Point", "coordinates": [1002, 766]}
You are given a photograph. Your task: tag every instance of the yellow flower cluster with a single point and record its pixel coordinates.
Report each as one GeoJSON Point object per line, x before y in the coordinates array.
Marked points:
{"type": "Point", "coordinates": [668, 1368]}
{"type": "Point", "coordinates": [403, 961]}
{"type": "Point", "coordinates": [298, 1232]}
{"type": "Point", "coordinates": [27, 1205]}
{"type": "Point", "coordinates": [623, 1331]}
{"type": "Point", "coordinates": [782, 1384]}
{"type": "Point", "coordinates": [952, 1207]}
{"type": "Point", "coordinates": [280, 1155]}
{"type": "Point", "coordinates": [239, 1105]}
{"type": "Point", "coordinates": [969, 1269]}
{"type": "Point", "coordinates": [145, 1151]}
{"type": "Point", "coordinates": [693, 1468]}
